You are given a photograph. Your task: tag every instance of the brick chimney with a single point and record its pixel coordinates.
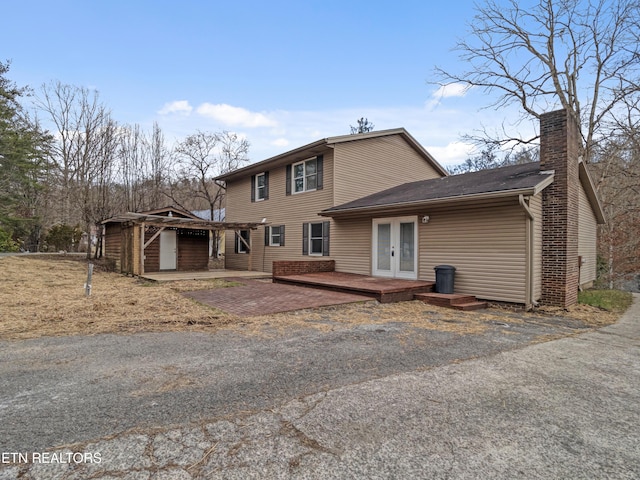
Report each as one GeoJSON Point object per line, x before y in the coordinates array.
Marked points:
{"type": "Point", "coordinates": [559, 150]}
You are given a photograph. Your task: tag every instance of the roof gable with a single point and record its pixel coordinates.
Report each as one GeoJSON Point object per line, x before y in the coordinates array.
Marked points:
{"type": "Point", "coordinates": [320, 146]}
{"type": "Point", "coordinates": [171, 211]}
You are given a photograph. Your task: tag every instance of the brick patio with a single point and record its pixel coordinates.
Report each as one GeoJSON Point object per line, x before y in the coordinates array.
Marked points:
{"type": "Point", "coordinates": [261, 298]}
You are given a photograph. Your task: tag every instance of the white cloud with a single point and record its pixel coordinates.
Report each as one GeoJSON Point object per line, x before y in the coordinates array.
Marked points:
{"type": "Point", "coordinates": [440, 132]}
{"type": "Point", "coordinates": [451, 90]}
{"type": "Point", "coordinates": [180, 107]}
{"type": "Point", "coordinates": [454, 153]}
{"type": "Point", "coordinates": [235, 116]}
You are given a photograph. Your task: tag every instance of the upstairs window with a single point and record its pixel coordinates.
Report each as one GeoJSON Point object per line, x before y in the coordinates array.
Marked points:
{"type": "Point", "coordinates": [260, 187]}
{"type": "Point", "coordinates": [305, 176]}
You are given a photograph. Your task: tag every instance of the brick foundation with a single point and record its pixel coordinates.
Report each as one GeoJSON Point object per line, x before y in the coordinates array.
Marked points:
{"type": "Point", "coordinates": [559, 151]}
{"type": "Point", "coordinates": [283, 268]}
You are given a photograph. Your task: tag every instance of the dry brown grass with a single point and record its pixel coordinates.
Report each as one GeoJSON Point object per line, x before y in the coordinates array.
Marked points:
{"type": "Point", "coordinates": [44, 296]}
{"type": "Point", "coordinates": [41, 297]}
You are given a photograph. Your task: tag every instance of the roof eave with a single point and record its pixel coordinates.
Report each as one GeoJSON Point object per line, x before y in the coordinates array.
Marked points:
{"type": "Point", "coordinates": [591, 192]}
{"type": "Point", "coordinates": [317, 146]}
{"type": "Point", "coordinates": [271, 162]}
{"type": "Point", "coordinates": [433, 201]}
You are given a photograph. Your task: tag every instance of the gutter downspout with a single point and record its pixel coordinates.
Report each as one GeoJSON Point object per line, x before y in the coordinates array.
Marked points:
{"type": "Point", "coordinates": [529, 302]}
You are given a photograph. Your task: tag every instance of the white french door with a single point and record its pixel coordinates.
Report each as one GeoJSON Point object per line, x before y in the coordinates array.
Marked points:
{"type": "Point", "coordinates": [395, 243]}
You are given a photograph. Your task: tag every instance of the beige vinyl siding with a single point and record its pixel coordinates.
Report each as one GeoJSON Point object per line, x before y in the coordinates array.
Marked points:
{"type": "Point", "coordinates": [280, 209]}
{"type": "Point", "coordinates": [535, 205]}
{"type": "Point", "coordinates": [587, 226]}
{"type": "Point", "coordinates": [363, 168]}
{"type": "Point", "coordinates": [351, 245]}
{"type": "Point", "coordinates": [486, 245]}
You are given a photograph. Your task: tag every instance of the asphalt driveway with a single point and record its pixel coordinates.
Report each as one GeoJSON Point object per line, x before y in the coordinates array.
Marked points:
{"type": "Point", "coordinates": [379, 401]}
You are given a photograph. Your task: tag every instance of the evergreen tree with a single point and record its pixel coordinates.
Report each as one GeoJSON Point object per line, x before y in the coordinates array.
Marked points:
{"type": "Point", "coordinates": [364, 126]}
{"type": "Point", "coordinates": [23, 166]}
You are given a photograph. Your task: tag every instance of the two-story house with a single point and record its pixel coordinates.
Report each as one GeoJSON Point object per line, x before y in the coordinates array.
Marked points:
{"type": "Point", "coordinates": [379, 204]}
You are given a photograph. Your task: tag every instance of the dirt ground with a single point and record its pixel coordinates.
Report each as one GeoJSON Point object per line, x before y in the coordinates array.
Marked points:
{"type": "Point", "coordinates": [45, 296]}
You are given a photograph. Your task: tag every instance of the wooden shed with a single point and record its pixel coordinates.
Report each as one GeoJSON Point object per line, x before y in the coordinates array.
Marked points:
{"type": "Point", "coordinates": [167, 239]}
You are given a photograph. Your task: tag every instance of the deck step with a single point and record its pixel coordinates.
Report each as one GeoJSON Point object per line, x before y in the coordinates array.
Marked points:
{"type": "Point", "coordinates": [470, 306]}
{"type": "Point", "coordinates": [451, 300]}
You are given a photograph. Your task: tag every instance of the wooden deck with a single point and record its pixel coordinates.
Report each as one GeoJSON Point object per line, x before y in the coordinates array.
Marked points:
{"type": "Point", "coordinates": [385, 290]}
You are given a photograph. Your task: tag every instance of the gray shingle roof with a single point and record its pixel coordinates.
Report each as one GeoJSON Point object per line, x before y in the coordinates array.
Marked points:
{"type": "Point", "coordinates": [515, 178]}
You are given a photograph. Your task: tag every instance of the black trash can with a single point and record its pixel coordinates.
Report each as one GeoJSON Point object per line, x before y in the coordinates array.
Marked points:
{"type": "Point", "coordinates": [444, 278]}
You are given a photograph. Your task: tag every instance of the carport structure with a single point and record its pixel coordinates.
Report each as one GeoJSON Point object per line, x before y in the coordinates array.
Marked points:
{"type": "Point", "coordinates": [133, 240]}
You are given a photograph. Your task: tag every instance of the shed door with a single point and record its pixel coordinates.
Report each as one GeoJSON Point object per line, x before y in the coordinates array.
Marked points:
{"type": "Point", "coordinates": [168, 250]}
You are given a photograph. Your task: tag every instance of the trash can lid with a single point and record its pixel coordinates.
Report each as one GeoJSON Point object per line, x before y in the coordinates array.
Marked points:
{"type": "Point", "coordinates": [444, 267]}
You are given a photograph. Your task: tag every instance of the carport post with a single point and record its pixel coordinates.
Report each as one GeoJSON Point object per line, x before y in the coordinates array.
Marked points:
{"type": "Point", "coordinates": [142, 248]}
{"type": "Point", "coordinates": [250, 250]}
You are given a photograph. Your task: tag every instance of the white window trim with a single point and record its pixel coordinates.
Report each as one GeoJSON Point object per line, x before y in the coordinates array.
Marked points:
{"type": "Point", "coordinates": [321, 240]}
{"type": "Point", "coordinates": [257, 196]}
{"type": "Point", "coordinates": [271, 244]}
{"type": "Point", "coordinates": [304, 176]}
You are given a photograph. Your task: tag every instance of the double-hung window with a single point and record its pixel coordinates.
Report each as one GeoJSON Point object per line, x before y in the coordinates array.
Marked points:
{"type": "Point", "coordinates": [315, 238]}
{"type": "Point", "coordinates": [305, 176]}
{"type": "Point", "coordinates": [274, 236]}
{"type": "Point", "coordinates": [261, 186]}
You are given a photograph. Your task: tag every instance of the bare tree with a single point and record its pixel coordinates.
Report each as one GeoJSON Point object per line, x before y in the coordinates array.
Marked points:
{"type": "Point", "coordinates": [105, 201]}
{"type": "Point", "coordinates": [79, 119]}
{"type": "Point", "coordinates": [580, 55]}
{"type": "Point", "coordinates": [201, 157]}
{"type": "Point", "coordinates": [158, 166]}
{"type": "Point", "coordinates": [133, 154]}
{"type": "Point", "coordinates": [617, 168]}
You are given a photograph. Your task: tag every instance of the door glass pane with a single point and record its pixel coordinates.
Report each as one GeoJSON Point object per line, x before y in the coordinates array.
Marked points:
{"type": "Point", "coordinates": [384, 246]}
{"type": "Point", "coordinates": [407, 247]}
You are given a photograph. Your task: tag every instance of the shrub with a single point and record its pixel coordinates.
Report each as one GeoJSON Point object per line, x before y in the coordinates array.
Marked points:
{"type": "Point", "coordinates": [63, 237]}
{"type": "Point", "coordinates": [7, 244]}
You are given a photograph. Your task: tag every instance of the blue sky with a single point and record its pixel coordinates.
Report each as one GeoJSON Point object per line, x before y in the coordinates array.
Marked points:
{"type": "Point", "coordinates": [281, 73]}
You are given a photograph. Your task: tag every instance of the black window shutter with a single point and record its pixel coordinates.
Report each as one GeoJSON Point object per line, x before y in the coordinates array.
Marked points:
{"type": "Point", "coordinates": [282, 235]}
{"type": "Point", "coordinates": [288, 180]}
{"type": "Point", "coordinates": [266, 235]}
{"type": "Point", "coordinates": [253, 188]}
{"type": "Point", "coordinates": [305, 239]}
{"type": "Point", "coordinates": [235, 243]}
{"type": "Point", "coordinates": [325, 238]}
{"type": "Point", "coordinates": [319, 171]}
{"type": "Point", "coordinates": [266, 185]}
